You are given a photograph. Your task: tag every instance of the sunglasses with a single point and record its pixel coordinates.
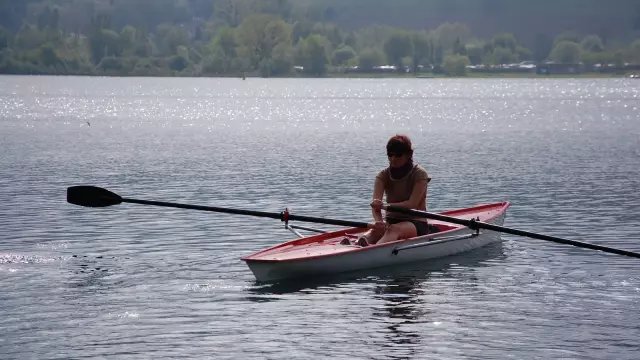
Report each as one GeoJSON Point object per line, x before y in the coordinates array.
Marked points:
{"type": "Point", "coordinates": [397, 155]}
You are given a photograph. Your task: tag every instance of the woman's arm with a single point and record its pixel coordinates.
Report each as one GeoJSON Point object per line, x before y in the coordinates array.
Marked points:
{"type": "Point", "coordinates": [378, 192]}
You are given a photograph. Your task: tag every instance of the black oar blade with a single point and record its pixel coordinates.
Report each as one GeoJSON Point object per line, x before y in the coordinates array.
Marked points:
{"type": "Point", "coordinates": [92, 196]}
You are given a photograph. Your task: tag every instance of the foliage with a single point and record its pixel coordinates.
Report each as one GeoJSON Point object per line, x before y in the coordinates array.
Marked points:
{"type": "Point", "coordinates": [592, 43]}
{"type": "Point", "coordinates": [505, 41]}
{"type": "Point", "coordinates": [634, 52]}
{"type": "Point", "coordinates": [342, 55]}
{"type": "Point", "coordinates": [456, 65]}
{"type": "Point", "coordinates": [4, 38]}
{"type": "Point", "coordinates": [569, 36]}
{"type": "Point", "coordinates": [523, 54]}
{"type": "Point", "coordinates": [475, 54]}
{"type": "Point", "coordinates": [313, 54]}
{"type": "Point", "coordinates": [398, 46]}
{"type": "Point", "coordinates": [274, 37]}
{"type": "Point", "coordinates": [370, 58]}
{"type": "Point", "coordinates": [566, 52]}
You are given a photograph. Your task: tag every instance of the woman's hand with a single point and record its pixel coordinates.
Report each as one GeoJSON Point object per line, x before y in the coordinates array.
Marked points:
{"type": "Point", "coordinates": [376, 204]}
{"type": "Point", "coordinates": [380, 225]}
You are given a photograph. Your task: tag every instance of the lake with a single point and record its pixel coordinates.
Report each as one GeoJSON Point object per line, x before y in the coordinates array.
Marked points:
{"type": "Point", "coordinates": [136, 281]}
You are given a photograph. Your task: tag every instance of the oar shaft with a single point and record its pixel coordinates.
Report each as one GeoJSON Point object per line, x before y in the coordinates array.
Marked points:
{"type": "Point", "coordinates": [482, 225]}
{"type": "Point", "coordinates": [355, 224]}
{"type": "Point", "coordinates": [204, 208]}
{"type": "Point", "coordinates": [280, 216]}
{"type": "Point", "coordinates": [560, 240]}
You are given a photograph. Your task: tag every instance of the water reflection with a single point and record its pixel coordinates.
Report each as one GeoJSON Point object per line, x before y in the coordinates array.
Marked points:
{"type": "Point", "coordinates": [402, 306]}
{"type": "Point", "coordinates": [402, 295]}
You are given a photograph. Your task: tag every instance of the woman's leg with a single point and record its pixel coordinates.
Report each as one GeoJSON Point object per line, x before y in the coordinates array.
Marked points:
{"type": "Point", "coordinates": [373, 235]}
{"type": "Point", "coordinates": [401, 230]}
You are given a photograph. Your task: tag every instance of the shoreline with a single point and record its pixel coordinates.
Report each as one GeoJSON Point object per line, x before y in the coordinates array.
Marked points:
{"type": "Point", "coordinates": [422, 76]}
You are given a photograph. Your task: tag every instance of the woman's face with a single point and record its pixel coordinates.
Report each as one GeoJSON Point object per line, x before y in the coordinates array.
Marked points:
{"type": "Point", "coordinates": [397, 160]}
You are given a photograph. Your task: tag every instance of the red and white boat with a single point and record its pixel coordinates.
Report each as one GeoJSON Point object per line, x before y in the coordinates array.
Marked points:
{"type": "Point", "coordinates": [323, 254]}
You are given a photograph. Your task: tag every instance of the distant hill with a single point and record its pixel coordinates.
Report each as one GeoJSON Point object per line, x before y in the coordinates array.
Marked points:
{"type": "Point", "coordinates": [615, 20]}
{"type": "Point", "coordinates": [612, 20]}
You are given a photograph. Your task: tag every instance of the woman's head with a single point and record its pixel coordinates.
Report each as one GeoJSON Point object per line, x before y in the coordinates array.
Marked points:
{"type": "Point", "coordinates": [399, 150]}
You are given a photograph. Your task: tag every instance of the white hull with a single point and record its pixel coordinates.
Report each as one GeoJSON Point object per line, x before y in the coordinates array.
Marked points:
{"type": "Point", "coordinates": [431, 246]}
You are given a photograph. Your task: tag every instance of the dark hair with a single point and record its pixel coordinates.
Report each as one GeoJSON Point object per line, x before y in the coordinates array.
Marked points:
{"type": "Point", "coordinates": [400, 144]}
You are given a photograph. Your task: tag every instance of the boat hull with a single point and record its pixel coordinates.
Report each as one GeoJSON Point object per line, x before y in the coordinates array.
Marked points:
{"type": "Point", "coordinates": [323, 255]}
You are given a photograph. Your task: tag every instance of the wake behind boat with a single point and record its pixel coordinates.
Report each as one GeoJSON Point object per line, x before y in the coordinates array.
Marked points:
{"type": "Point", "coordinates": [324, 254]}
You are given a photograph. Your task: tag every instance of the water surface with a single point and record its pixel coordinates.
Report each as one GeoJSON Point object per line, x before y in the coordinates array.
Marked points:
{"type": "Point", "coordinates": [134, 281]}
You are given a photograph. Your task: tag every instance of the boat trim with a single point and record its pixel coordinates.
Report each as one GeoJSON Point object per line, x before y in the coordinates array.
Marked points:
{"type": "Point", "coordinates": [434, 241]}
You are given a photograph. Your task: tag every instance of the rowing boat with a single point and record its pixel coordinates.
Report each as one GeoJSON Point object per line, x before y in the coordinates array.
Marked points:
{"type": "Point", "coordinates": [323, 254]}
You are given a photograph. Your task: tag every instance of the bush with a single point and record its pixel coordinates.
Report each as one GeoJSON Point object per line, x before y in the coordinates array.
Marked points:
{"type": "Point", "coordinates": [456, 65]}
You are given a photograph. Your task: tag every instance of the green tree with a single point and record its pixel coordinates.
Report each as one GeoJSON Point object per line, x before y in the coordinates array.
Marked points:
{"type": "Point", "coordinates": [331, 31]}
{"type": "Point", "coordinates": [300, 30]}
{"type": "Point", "coordinates": [114, 65]}
{"type": "Point", "coordinates": [146, 67]}
{"type": "Point", "coordinates": [503, 55]}
{"type": "Point", "coordinates": [475, 54]}
{"type": "Point", "coordinates": [216, 63]}
{"type": "Point", "coordinates": [234, 12]}
{"type": "Point", "coordinates": [634, 52]}
{"type": "Point", "coordinates": [342, 55]}
{"type": "Point", "coordinates": [178, 63]}
{"type": "Point", "coordinates": [282, 59]}
{"type": "Point", "coordinates": [4, 38]}
{"type": "Point", "coordinates": [128, 39]}
{"type": "Point", "coordinates": [456, 65]}
{"type": "Point", "coordinates": [313, 54]}
{"type": "Point", "coordinates": [226, 41]}
{"type": "Point", "coordinates": [370, 58]}
{"type": "Point", "coordinates": [592, 43]}
{"type": "Point", "coordinates": [49, 57]}
{"type": "Point", "coordinates": [570, 36]}
{"type": "Point", "coordinates": [488, 50]}
{"type": "Point", "coordinates": [505, 41]}
{"type": "Point", "coordinates": [618, 59]}
{"type": "Point", "coordinates": [421, 49]}
{"type": "Point", "coordinates": [438, 55]}
{"type": "Point", "coordinates": [351, 40]}
{"type": "Point", "coordinates": [590, 59]}
{"type": "Point", "coordinates": [104, 42]}
{"type": "Point", "coordinates": [459, 48]}
{"type": "Point", "coordinates": [170, 37]}
{"type": "Point", "coordinates": [523, 54]}
{"type": "Point", "coordinates": [447, 33]}
{"type": "Point", "coordinates": [398, 46]}
{"type": "Point", "coordinates": [567, 52]}
{"type": "Point", "coordinates": [30, 37]}
{"type": "Point", "coordinates": [260, 33]}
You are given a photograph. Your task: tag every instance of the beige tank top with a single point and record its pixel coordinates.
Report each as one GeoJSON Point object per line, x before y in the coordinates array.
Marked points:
{"type": "Point", "coordinates": [398, 190]}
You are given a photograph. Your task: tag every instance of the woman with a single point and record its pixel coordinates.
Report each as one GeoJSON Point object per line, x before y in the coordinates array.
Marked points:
{"type": "Point", "coordinates": [405, 185]}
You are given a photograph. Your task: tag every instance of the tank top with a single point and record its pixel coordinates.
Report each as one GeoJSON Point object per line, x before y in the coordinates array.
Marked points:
{"type": "Point", "coordinates": [398, 190]}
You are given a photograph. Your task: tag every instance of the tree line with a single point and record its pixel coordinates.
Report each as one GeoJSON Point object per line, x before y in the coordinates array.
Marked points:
{"type": "Point", "coordinates": [260, 37]}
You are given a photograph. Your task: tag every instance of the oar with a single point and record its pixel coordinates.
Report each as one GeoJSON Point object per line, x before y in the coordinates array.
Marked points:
{"type": "Point", "coordinates": [474, 224]}
{"type": "Point", "coordinates": [92, 196]}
